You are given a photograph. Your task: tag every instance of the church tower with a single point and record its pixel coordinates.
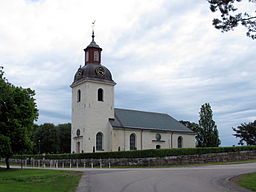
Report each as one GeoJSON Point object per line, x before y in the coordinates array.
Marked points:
{"type": "Point", "coordinates": [92, 104]}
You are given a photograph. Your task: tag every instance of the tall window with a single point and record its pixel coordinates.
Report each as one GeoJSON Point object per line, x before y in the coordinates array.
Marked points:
{"type": "Point", "coordinates": [87, 56]}
{"type": "Point", "coordinates": [96, 56]}
{"type": "Point", "coordinates": [133, 142]}
{"type": "Point", "coordinates": [99, 139]}
{"type": "Point", "coordinates": [100, 94]}
{"type": "Point", "coordinates": [180, 142]}
{"type": "Point", "coordinates": [78, 95]}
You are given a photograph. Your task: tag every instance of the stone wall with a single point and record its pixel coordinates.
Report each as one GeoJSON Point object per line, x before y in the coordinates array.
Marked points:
{"type": "Point", "coordinates": [156, 161]}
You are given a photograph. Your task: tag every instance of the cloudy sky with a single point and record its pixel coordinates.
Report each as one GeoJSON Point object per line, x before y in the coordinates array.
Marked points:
{"type": "Point", "coordinates": [164, 55]}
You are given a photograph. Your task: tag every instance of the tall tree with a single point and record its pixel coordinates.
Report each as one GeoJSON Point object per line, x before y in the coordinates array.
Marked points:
{"type": "Point", "coordinates": [232, 15]}
{"type": "Point", "coordinates": [247, 133]}
{"type": "Point", "coordinates": [50, 138]}
{"type": "Point", "coordinates": [207, 135]}
{"type": "Point", "coordinates": [17, 115]}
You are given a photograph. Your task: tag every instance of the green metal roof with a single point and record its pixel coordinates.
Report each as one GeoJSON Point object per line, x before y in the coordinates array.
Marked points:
{"type": "Point", "coordinates": [125, 118]}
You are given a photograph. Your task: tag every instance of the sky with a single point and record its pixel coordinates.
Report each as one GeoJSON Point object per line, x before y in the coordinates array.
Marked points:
{"type": "Point", "coordinates": [165, 56]}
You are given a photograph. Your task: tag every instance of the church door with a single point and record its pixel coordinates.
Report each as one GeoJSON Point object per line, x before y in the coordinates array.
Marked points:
{"type": "Point", "coordinates": [78, 147]}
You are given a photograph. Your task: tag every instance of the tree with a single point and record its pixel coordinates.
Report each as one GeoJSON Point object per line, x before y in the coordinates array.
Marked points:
{"type": "Point", "coordinates": [5, 148]}
{"type": "Point", "coordinates": [231, 16]}
{"type": "Point", "coordinates": [64, 137]}
{"type": "Point", "coordinates": [207, 135]}
{"type": "Point", "coordinates": [49, 138]}
{"type": "Point", "coordinates": [246, 133]}
{"type": "Point", "coordinates": [17, 114]}
{"type": "Point", "coordinates": [46, 139]}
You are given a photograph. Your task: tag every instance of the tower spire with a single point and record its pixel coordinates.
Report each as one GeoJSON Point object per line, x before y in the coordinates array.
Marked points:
{"type": "Point", "coordinates": [93, 25]}
{"type": "Point", "coordinates": [93, 35]}
{"type": "Point", "coordinates": [93, 51]}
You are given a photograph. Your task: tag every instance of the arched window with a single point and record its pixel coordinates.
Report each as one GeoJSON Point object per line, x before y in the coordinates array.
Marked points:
{"type": "Point", "coordinates": [180, 142]}
{"type": "Point", "coordinates": [78, 95]}
{"type": "Point", "coordinates": [100, 94]}
{"type": "Point", "coordinates": [158, 146]}
{"type": "Point", "coordinates": [133, 142]}
{"type": "Point", "coordinates": [99, 141]}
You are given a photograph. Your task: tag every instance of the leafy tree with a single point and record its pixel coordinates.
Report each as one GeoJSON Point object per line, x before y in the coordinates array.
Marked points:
{"type": "Point", "coordinates": [49, 138]}
{"type": "Point", "coordinates": [45, 137]}
{"type": "Point", "coordinates": [64, 137]}
{"type": "Point", "coordinates": [207, 135]}
{"type": "Point", "coordinates": [17, 114]}
{"type": "Point", "coordinates": [5, 147]}
{"type": "Point", "coordinates": [231, 15]}
{"type": "Point", "coordinates": [246, 133]}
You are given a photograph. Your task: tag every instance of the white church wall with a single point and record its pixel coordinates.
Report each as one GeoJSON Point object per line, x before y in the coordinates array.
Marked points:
{"type": "Point", "coordinates": [150, 142]}
{"type": "Point", "coordinates": [92, 116]}
{"type": "Point", "coordinates": [188, 140]}
{"type": "Point", "coordinates": [146, 139]}
{"type": "Point", "coordinates": [121, 139]}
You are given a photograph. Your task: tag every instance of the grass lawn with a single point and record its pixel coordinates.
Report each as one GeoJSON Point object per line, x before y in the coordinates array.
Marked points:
{"type": "Point", "coordinates": [27, 180]}
{"type": "Point", "coordinates": [248, 181]}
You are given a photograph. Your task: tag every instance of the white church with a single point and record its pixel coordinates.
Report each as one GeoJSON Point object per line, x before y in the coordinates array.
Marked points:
{"type": "Point", "coordinates": [98, 126]}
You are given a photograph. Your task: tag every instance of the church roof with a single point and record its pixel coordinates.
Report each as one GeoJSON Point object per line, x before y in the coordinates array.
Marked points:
{"type": "Point", "coordinates": [89, 72]}
{"type": "Point", "coordinates": [132, 119]}
{"type": "Point", "coordinates": [93, 44]}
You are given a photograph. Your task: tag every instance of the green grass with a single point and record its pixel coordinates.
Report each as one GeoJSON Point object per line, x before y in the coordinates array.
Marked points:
{"type": "Point", "coordinates": [248, 181]}
{"type": "Point", "coordinates": [27, 180]}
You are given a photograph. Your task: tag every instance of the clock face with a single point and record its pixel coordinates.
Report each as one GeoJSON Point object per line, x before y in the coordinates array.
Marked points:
{"type": "Point", "coordinates": [100, 71]}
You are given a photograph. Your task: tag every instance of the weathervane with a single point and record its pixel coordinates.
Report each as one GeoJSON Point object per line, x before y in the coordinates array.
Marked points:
{"type": "Point", "coordinates": [93, 25]}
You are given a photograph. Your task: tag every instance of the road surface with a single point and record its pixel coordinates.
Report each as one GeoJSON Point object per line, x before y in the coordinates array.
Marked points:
{"type": "Point", "coordinates": [186, 179]}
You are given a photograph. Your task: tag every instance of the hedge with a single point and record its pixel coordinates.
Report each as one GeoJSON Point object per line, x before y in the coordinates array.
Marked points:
{"type": "Point", "coordinates": [141, 153]}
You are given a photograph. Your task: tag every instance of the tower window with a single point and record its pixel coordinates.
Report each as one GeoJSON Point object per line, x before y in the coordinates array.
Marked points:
{"type": "Point", "coordinates": [99, 138]}
{"type": "Point", "coordinates": [133, 142]}
{"type": "Point", "coordinates": [96, 56]}
{"type": "Point", "coordinates": [100, 94]}
{"type": "Point", "coordinates": [180, 142]}
{"type": "Point", "coordinates": [78, 95]}
{"type": "Point", "coordinates": [87, 56]}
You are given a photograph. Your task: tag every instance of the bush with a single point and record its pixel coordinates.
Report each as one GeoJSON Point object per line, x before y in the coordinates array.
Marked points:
{"type": "Point", "coordinates": [141, 153]}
